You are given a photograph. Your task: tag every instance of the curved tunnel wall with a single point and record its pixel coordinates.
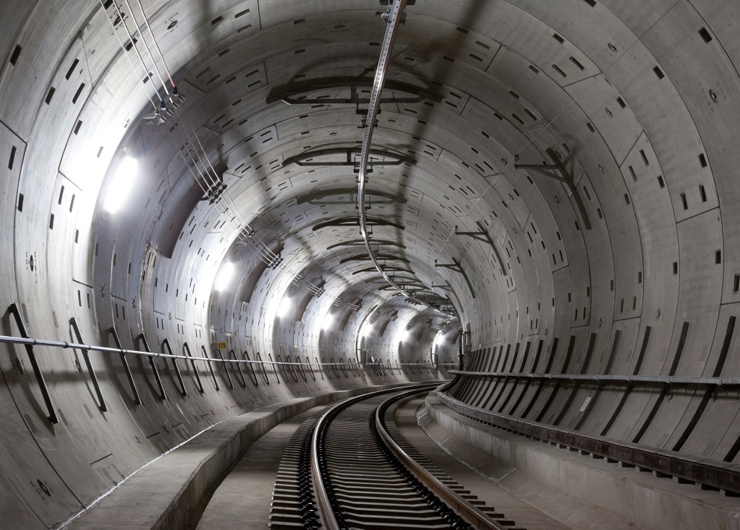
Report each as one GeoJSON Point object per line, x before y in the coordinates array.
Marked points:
{"type": "Point", "coordinates": [623, 264]}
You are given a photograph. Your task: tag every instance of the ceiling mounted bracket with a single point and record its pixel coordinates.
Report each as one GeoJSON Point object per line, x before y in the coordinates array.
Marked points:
{"type": "Point", "coordinates": [291, 93]}
{"type": "Point", "coordinates": [484, 237]}
{"type": "Point", "coordinates": [457, 267]}
{"type": "Point", "coordinates": [558, 171]}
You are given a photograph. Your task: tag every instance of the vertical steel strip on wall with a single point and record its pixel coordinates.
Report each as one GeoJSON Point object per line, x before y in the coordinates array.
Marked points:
{"type": "Point", "coordinates": [162, 393]}
{"type": "Point", "coordinates": [127, 368]}
{"type": "Point", "coordinates": [210, 367]}
{"type": "Point", "coordinates": [13, 309]}
{"type": "Point", "coordinates": [195, 369]}
{"type": "Point", "coordinates": [91, 371]}
{"type": "Point", "coordinates": [166, 344]}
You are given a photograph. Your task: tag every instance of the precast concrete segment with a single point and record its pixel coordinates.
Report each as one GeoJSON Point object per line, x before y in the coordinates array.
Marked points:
{"type": "Point", "coordinates": [637, 99]}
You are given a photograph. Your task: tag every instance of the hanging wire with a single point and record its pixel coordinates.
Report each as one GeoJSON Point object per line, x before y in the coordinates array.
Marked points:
{"type": "Point", "coordinates": [209, 181]}
{"type": "Point", "coordinates": [125, 53]}
{"type": "Point", "coordinates": [146, 47]}
{"type": "Point", "coordinates": [133, 45]}
{"type": "Point", "coordinates": [146, 21]}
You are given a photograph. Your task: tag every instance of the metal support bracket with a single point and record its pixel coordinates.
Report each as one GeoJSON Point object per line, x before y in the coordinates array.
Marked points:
{"type": "Point", "coordinates": [210, 366]}
{"type": "Point", "coordinates": [127, 368]}
{"type": "Point", "coordinates": [290, 94]}
{"type": "Point", "coordinates": [192, 363]}
{"type": "Point", "coordinates": [484, 237]}
{"type": "Point", "coordinates": [377, 157]}
{"type": "Point", "coordinates": [232, 355]}
{"type": "Point", "coordinates": [380, 257]}
{"type": "Point", "coordinates": [559, 172]}
{"type": "Point", "coordinates": [13, 309]}
{"type": "Point", "coordinates": [90, 370]}
{"type": "Point", "coordinates": [183, 391]}
{"type": "Point", "coordinates": [162, 393]}
{"type": "Point", "coordinates": [455, 266]}
{"type": "Point", "coordinates": [226, 369]}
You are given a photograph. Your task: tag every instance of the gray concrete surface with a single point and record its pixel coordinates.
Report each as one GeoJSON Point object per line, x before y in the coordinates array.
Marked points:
{"type": "Point", "coordinates": [243, 499]}
{"type": "Point", "coordinates": [523, 514]}
{"type": "Point", "coordinates": [578, 491]}
{"type": "Point", "coordinates": [639, 99]}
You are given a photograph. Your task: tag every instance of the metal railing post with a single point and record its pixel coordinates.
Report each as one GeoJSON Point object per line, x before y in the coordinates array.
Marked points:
{"type": "Point", "coordinates": [35, 365]}
{"type": "Point", "coordinates": [93, 377]}
{"type": "Point", "coordinates": [195, 368]}
{"type": "Point", "coordinates": [162, 393]}
{"type": "Point", "coordinates": [129, 375]}
{"type": "Point", "coordinates": [166, 344]}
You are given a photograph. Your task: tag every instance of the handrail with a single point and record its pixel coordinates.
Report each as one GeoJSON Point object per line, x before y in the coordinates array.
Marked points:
{"type": "Point", "coordinates": [28, 341]}
{"type": "Point", "coordinates": [467, 511]}
{"type": "Point", "coordinates": [623, 379]}
{"type": "Point", "coordinates": [712, 473]}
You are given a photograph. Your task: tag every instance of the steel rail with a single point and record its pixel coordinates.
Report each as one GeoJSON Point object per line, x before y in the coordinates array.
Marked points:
{"type": "Point", "coordinates": [463, 508]}
{"type": "Point", "coordinates": [323, 504]}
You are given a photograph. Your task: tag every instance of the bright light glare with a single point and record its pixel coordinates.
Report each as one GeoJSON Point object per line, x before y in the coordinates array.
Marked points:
{"type": "Point", "coordinates": [327, 323]}
{"type": "Point", "coordinates": [366, 332]}
{"type": "Point", "coordinates": [224, 277]}
{"type": "Point", "coordinates": [439, 339]}
{"type": "Point", "coordinates": [121, 185]}
{"type": "Point", "coordinates": [286, 304]}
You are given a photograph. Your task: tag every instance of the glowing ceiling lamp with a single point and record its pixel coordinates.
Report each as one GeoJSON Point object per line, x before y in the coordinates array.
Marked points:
{"type": "Point", "coordinates": [224, 276]}
{"type": "Point", "coordinates": [286, 304]}
{"type": "Point", "coordinates": [328, 322]}
{"type": "Point", "coordinates": [439, 339]}
{"type": "Point", "coordinates": [121, 185]}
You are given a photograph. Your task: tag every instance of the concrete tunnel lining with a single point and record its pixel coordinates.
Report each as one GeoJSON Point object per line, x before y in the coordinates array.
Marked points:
{"type": "Point", "coordinates": [637, 99]}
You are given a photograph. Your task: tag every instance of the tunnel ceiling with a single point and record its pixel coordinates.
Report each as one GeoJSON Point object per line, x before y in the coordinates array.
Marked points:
{"type": "Point", "coordinates": [538, 166]}
{"type": "Point", "coordinates": [558, 178]}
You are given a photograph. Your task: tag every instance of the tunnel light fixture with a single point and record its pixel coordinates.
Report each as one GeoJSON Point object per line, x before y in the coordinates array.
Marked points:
{"type": "Point", "coordinates": [121, 185]}
{"type": "Point", "coordinates": [328, 322]}
{"type": "Point", "coordinates": [286, 304]}
{"type": "Point", "coordinates": [224, 276]}
{"type": "Point", "coordinates": [439, 339]}
{"type": "Point", "coordinates": [366, 332]}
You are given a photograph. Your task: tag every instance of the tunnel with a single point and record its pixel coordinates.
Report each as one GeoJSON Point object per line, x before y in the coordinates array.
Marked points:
{"type": "Point", "coordinates": [548, 218]}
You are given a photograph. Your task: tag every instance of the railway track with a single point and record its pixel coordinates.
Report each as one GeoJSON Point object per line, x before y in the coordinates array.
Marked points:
{"type": "Point", "coordinates": [351, 468]}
